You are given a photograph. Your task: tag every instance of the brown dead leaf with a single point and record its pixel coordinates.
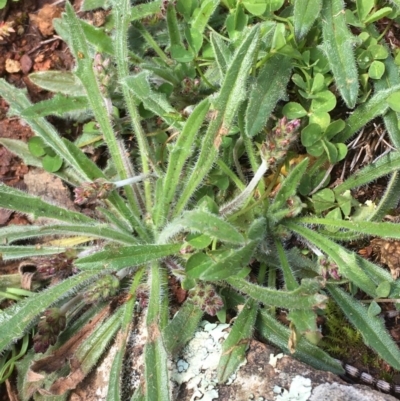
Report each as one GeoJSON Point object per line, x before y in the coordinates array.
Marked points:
{"type": "Point", "coordinates": [388, 252]}
{"type": "Point", "coordinates": [292, 343]}
{"type": "Point", "coordinates": [63, 384]}
{"type": "Point", "coordinates": [48, 187]}
{"type": "Point", "coordinates": [34, 377]}
{"type": "Point", "coordinates": [11, 391]}
{"type": "Point", "coordinates": [65, 353]}
{"type": "Point", "coordinates": [221, 133]}
{"type": "Point", "coordinates": [44, 19]}
{"type": "Point", "coordinates": [153, 332]}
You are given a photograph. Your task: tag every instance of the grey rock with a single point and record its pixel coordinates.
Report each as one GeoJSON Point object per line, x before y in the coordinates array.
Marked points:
{"type": "Point", "coordinates": [339, 392]}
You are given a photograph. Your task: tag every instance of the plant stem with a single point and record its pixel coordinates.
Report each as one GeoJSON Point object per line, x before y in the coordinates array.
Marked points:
{"type": "Point", "coordinates": [133, 180]}
{"type": "Point", "coordinates": [149, 39]}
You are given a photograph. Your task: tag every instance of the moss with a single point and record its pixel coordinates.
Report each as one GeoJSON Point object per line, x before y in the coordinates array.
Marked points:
{"type": "Point", "coordinates": [345, 342]}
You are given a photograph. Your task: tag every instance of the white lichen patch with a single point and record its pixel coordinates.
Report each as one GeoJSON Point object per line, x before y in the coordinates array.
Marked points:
{"type": "Point", "coordinates": [273, 359]}
{"type": "Point", "coordinates": [300, 390]}
{"type": "Point", "coordinates": [197, 364]}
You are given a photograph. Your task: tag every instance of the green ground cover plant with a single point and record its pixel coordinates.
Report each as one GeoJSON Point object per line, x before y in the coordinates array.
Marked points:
{"type": "Point", "coordinates": [216, 94]}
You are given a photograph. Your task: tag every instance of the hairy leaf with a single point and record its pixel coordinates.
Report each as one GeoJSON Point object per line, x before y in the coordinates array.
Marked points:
{"type": "Point", "coordinates": [226, 105]}
{"type": "Point", "coordinates": [182, 327]}
{"type": "Point", "coordinates": [268, 89]}
{"type": "Point", "coordinates": [14, 199]}
{"type": "Point", "coordinates": [16, 320]}
{"type": "Point", "coordinates": [130, 256]}
{"type": "Point", "coordinates": [305, 14]}
{"type": "Point", "coordinates": [286, 299]}
{"type": "Point", "coordinates": [202, 222]}
{"type": "Point", "coordinates": [278, 334]}
{"type": "Point", "coordinates": [372, 328]}
{"type": "Point", "coordinates": [344, 259]}
{"type": "Point", "coordinates": [338, 48]}
{"type": "Point", "coordinates": [234, 347]}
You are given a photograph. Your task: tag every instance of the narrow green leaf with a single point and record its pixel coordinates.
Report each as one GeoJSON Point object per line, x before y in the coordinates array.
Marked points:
{"type": "Point", "coordinates": [156, 371]}
{"type": "Point", "coordinates": [338, 48]}
{"type": "Point", "coordinates": [84, 71]}
{"type": "Point", "coordinates": [289, 186]}
{"type": "Point", "coordinates": [268, 89]}
{"type": "Point", "coordinates": [202, 14]}
{"type": "Point", "coordinates": [12, 233]}
{"type": "Point", "coordinates": [345, 260]}
{"type": "Point", "coordinates": [116, 371]}
{"type": "Point", "coordinates": [305, 323]}
{"type": "Point", "coordinates": [129, 256]}
{"type": "Point", "coordinates": [387, 164]}
{"type": "Point", "coordinates": [388, 200]}
{"type": "Point", "coordinates": [134, 195]}
{"type": "Point", "coordinates": [88, 5]}
{"type": "Point", "coordinates": [376, 106]}
{"type": "Point", "coordinates": [278, 334]}
{"type": "Point", "coordinates": [202, 222]}
{"type": "Point", "coordinates": [180, 153]}
{"type": "Point", "coordinates": [258, 229]}
{"type": "Point", "coordinates": [305, 14]}
{"type": "Point", "coordinates": [63, 82]}
{"type": "Point", "coordinates": [230, 97]}
{"type": "Point", "coordinates": [18, 102]}
{"type": "Point", "coordinates": [297, 299]}
{"type": "Point", "coordinates": [102, 42]}
{"type": "Point", "coordinates": [235, 345]}
{"type": "Point", "coordinates": [92, 348]}
{"type": "Point", "coordinates": [371, 328]}
{"type": "Point", "coordinates": [156, 102]}
{"type": "Point", "coordinates": [16, 320]}
{"type": "Point", "coordinates": [182, 327]}
{"type": "Point", "coordinates": [392, 124]}
{"type": "Point", "coordinates": [173, 26]}
{"type": "Point", "coordinates": [9, 252]}
{"type": "Point", "coordinates": [155, 356]}
{"type": "Point", "coordinates": [14, 199]}
{"type": "Point", "coordinates": [383, 289]}
{"type": "Point", "coordinates": [227, 266]}
{"type": "Point", "coordinates": [168, 74]}
{"type": "Point", "coordinates": [145, 10]}
{"type": "Point", "coordinates": [379, 229]}
{"type": "Point", "coordinates": [381, 13]}
{"type": "Point", "coordinates": [288, 274]}
{"type": "Point", "coordinates": [222, 53]}
{"type": "Point", "coordinates": [90, 168]}
{"type": "Point", "coordinates": [57, 106]}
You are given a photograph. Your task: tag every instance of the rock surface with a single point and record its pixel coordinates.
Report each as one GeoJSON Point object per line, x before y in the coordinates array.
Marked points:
{"type": "Point", "coordinates": [266, 374]}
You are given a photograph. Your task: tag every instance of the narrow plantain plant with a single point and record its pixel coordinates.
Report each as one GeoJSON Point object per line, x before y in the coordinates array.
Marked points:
{"type": "Point", "coordinates": [195, 84]}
